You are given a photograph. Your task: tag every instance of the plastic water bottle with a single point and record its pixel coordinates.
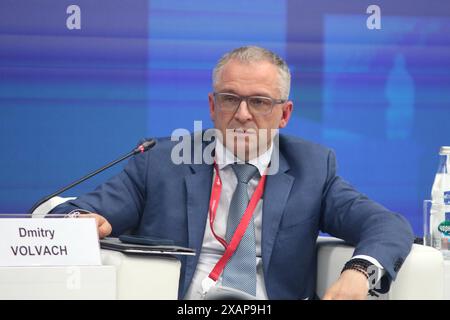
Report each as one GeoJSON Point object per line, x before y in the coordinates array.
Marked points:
{"type": "Point", "coordinates": [440, 208]}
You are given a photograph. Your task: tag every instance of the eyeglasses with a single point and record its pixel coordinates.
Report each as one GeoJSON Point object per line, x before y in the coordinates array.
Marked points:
{"type": "Point", "coordinates": [229, 102]}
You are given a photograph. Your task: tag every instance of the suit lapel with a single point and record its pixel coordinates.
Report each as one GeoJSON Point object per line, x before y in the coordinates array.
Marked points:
{"type": "Point", "coordinates": [276, 193]}
{"type": "Point", "coordinates": [198, 188]}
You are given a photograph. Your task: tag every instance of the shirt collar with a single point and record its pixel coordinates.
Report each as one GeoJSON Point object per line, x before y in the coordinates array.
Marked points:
{"type": "Point", "coordinates": [224, 157]}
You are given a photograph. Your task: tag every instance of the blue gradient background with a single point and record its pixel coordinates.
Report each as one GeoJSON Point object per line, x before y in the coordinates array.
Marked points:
{"type": "Point", "coordinates": [72, 100]}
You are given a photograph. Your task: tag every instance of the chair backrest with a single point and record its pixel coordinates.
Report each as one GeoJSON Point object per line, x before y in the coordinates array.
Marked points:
{"type": "Point", "coordinates": [421, 276]}
{"type": "Point", "coordinates": [48, 205]}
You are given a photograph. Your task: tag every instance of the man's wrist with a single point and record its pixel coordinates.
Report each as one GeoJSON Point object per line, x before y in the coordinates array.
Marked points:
{"type": "Point", "coordinates": [365, 267]}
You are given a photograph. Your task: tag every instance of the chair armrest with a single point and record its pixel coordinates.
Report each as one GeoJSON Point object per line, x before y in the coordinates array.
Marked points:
{"type": "Point", "coordinates": [152, 277]}
{"type": "Point", "coordinates": [421, 276]}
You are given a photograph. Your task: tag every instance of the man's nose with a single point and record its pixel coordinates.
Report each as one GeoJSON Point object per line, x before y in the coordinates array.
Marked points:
{"type": "Point", "coordinates": [243, 113]}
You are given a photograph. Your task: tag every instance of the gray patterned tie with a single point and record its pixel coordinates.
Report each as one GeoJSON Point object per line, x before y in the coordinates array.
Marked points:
{"type": "Point", "coordinates": [240, 271]}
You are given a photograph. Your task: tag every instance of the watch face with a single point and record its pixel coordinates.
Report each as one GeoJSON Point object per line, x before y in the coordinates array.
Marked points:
{"type": "Point", "coordinates": [373, 273]}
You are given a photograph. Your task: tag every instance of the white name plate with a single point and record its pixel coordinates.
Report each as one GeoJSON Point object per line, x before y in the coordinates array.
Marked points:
{"type": "Point", "coordinates": [49, 242]}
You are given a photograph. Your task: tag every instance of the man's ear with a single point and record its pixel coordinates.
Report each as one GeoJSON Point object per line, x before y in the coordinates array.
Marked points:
{"type": "Point", "coordinates": [286, 115]}
{"type": "Point", "coordinates": [212, 107]}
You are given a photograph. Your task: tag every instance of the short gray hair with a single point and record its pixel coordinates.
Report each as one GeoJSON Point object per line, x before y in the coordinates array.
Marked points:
{"type": "Point", "coordinates": [250, 54]}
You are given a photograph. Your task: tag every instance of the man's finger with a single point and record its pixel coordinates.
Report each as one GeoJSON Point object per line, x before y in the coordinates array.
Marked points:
{"type": "Point", "coordinates": [103, 226]}
{"type": "Point", "coordinates": [104, 229]}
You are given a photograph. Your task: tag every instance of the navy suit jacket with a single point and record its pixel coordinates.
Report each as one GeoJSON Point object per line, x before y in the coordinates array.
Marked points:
{"type": "Point", "coordinates": [153, 196]}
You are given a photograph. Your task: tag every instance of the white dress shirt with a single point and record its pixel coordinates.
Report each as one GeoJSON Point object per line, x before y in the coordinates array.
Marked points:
{"type": "Point", "coordinates": [212, 250]}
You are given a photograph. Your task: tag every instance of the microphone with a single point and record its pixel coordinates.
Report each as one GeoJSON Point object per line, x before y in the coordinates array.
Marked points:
{"type": "Point", "coordinates": [145, 145]}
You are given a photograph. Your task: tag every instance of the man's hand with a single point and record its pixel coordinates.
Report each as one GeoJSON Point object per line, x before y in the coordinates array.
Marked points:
{"type": "Point", "coordinates": [351, 285]}
{"type": "Point", "coordinates": [104, 227]}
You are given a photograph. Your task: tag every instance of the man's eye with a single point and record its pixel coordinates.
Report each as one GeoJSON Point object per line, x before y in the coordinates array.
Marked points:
{"type": "Point", "coordinates": [259, 102]}
{"type": "Point", "coordinates": [230, 99]}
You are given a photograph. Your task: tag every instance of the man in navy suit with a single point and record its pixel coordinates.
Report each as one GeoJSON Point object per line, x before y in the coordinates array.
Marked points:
{"type": "Point", "coordinates": [191, 203]}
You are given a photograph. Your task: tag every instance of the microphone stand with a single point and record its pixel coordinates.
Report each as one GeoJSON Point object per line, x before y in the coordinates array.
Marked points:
{"type": "Point", "coordinates": [140, 149]}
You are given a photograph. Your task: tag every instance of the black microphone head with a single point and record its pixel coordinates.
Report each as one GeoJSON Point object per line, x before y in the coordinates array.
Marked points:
{"type": "Point", "coordinates": [144, 145]}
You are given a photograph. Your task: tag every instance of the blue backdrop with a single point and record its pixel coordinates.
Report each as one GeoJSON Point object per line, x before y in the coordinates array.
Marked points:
{"type": "Point", "coordinates": [73, 99]}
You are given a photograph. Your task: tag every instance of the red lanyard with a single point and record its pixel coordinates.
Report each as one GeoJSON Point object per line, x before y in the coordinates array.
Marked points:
{"type": "Point", "coordinates": [240, 230]}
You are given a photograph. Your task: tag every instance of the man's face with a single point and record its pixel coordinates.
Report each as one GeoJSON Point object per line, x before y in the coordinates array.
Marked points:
{"type": "Point", "coordinates": [242, 129]}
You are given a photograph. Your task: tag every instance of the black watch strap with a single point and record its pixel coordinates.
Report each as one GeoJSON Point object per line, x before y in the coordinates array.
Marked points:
{"type": "Point", "coordinates": [365, 267]}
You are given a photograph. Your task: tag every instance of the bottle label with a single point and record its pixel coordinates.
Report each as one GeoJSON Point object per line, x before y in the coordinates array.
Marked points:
{"type": "Point", "coordinates": [444, 227]}
{"type": "Point", "coordinates": [447, 197]}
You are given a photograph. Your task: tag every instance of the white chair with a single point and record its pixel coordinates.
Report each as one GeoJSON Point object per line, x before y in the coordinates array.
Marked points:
{"type": "Point", "coordinates": [149, 277]}
{"type": "Point", "coordinates": [420, 277]}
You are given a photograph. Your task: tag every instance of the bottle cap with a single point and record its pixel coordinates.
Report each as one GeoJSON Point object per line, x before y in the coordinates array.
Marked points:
{"type": "Point", "coordinates": [444, 151]}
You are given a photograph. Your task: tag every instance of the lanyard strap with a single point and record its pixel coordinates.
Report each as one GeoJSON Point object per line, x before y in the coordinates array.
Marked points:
{"type": "Point", "coordinates": [240, 230]}
{"type": "Point", "coordinates": [214, 203]}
